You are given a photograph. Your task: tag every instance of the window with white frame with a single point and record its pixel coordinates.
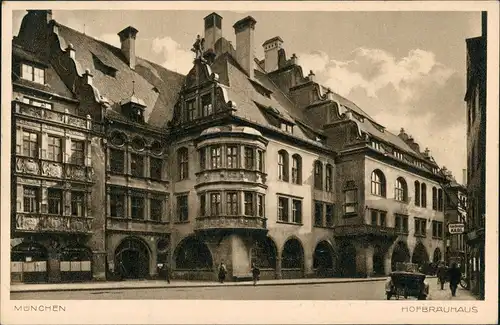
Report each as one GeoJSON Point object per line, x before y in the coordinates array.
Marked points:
{"type": "Point", "coordinates": [296, 211]}
{"type": "Point", "coordinates": [31, 73]}
{"type": "Point", "coordinates": [216, 157]}
{"type": "Point", "coordinates": [54, 148]}
{"type": "Point", "coordinates": [30, 199]}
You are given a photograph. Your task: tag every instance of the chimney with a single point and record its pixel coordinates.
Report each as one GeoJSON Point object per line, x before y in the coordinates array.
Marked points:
{"type": "Point", "coordinates": [271, 48]}
{"type": "Point", "coordinates": [127, 39]}
{"type": "Point", "coordinates": [213, 30]}
{"type": "Point", "coordinates": [464, 177]}
{"type": "Point", "coordinates": [45, 14]}
{"type": "Point", "coordinates": [244, 30]}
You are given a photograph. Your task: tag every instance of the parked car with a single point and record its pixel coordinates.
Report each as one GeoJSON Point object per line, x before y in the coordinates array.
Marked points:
{"type": "Point", "coordinates": [406, 282]}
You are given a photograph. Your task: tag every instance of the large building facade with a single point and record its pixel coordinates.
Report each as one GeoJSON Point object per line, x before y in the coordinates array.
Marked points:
{"type": "Point", "coordinates": [241, 161]}
{"type": "Point", "coordinates": [476, 155]}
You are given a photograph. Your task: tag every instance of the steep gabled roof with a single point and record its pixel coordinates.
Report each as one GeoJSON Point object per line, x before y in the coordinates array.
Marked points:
{"type": "Point", "coordinates": [156, 86]}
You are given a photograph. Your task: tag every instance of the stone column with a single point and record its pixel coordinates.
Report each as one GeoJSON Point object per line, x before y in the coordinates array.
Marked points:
{"type": "Point", "coordinates": [99, 265]}
{"type": "Point", "coordinates": [278, 267]}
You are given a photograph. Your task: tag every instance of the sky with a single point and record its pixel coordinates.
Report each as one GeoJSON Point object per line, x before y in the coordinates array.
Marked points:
{"type": "Point", "coordinates": [405, 69]}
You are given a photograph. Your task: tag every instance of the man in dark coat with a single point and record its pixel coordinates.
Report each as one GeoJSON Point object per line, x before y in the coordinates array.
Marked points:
{"type": "Point", "coordinates": [441, 275]}
{"type": "Point", "coordinates": [454, 276]}
{"type": "Point", "coordinates": [222, 272]}
{"type": "Point", "coordinates": [255, 274]}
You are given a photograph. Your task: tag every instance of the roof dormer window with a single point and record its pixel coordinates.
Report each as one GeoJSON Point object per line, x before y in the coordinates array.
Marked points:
{"type": "Point", "coordinates": [288, 128]}
{"type": "Point", "coordinates": [398, 154]}
{"type": "Point", "coordinates": [31, 73]}
{"type": "Point", "coordinates": [375, 145]}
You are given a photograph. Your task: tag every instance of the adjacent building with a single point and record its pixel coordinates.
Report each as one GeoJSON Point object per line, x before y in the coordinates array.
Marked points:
{"type": "Point", "coordinates": [243, 160]}
{"type": "Point", "coordinates": [475, 98]}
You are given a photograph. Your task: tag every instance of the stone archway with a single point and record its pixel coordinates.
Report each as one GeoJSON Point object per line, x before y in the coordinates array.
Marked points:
{"type": "Point", "coordinates": [132, 258]}
{"type": "Point", "coordinates": [263, 253]}
{"type": "Point", "coordinates": [400, 254]}
{"type": "Point", "coordinates": [323, 259]}
{"type": "Point", "coordinates": [420, 255]}
{"type": "Point", "coordinates": [193, 254]}
{"type": "Point", "coordinates": [347, 260]}
{"type": "Point", "coordinates": [292, 259]}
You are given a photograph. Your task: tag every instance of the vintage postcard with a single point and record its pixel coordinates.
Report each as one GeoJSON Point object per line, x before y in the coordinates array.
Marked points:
{"type": "Point", "coordinates": [249, 162]}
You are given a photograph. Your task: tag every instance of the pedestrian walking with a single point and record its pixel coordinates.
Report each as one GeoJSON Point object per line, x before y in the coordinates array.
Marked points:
{"type": "Point", "coordinates": [255, 274]}
{"type": "Point", "coordinates": [166, 272]}
{"type": "Point", "coordinates": [441, 275]}
{"type": "Point", "coordinates": [454, 276]}
{"type": "Point", "coordinates": [222, 272]}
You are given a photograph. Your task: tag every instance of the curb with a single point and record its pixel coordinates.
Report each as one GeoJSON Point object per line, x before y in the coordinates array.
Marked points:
{"type": "Point", "coordinates": [212, 285]}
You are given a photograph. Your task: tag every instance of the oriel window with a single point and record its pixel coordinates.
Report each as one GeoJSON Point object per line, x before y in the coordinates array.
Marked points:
{"type": "Point", "coordinates": [232, 203]}
{"type": "Point", "coordinates": [248, 203]}
{"type": "Point", "coordinates": [232, 157]}
{"type": "Point", "coordinates": [215, 204]}
{"type": "Point", "coordinates": [260, 205]}
{"type": "Point", "coordinates": [216, 156]}
{"type": "Point", "coordinates": [249, 158]}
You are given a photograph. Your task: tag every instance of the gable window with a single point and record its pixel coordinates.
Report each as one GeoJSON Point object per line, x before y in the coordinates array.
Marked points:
{"type": "Point", "coordinates": [137, 207]}
{"type": "Point", "coordinates": [31, 73]}
{"type": "Point", "coordinates": [156, 209]}
{"type": "Point", "coordinates": [55, 201]}
{"type": "Point", "coordinates": [30, 144]}
{"type": "Point", "coordinates": [283, 165]}
{"type": "Point", "coordinates": [283, 209]}
{"type": "Point", "coordinates": [206, 105]}
{"type": "Point", "coordinates": [378, 183]}
{"type": "Point", "coordinates": [77, 204]}
{"type": "Point", "coordinates": [30, 199]}
{"type": "Point", "coordinates": [318, 213]}
{"type": "Point", "coordinates": [288, 128]}
{"type": "Point", "coordinates": [216, 156]}
{"type": "Point", "coordinates": [54, 146]}
{"type": "Point", "coordinates": [249, 162]}
{"type": "Point", "coordinates": [248, 203]}
{"type": "Point", "coordinates": [117, 199]}
{"type": "Point", "coordinates": [155, 168]}
{"type": "Point", "coordinates": [423, 195]}
{"type": "Point", "coordinates": [137, 165]}
{"type": "Point", "coordinates": [440, 200]}
{"type": "Point", "coordinates": [191, 110]}
{"type": "Point", "coordinates": [329, 178]}
{"type": "Point", "coordinates": [417, 193]}
{"type": "Point", "coordinates": [318, 175]}
{"type": "Point", "coordinates": [297, 211]}
{"type": "Point", "coordinates": [350, 201]}
{"type": "Point", "coordinates": [215, 204]}
{"type": "Point", "coordinates": [78, 152]}
{"type": "Point", "coordinates": [182, 208]}
{"type": "Point", "coordinates": [296, 169]}
{"type": "Point", "coordinates": [401, 190]}
{"type": "Point", "coordinates": [183, 163]}
{"type": "Point", "coordinates": [232, 203]}
{"type": "Point", "coordinates": [232, 157]}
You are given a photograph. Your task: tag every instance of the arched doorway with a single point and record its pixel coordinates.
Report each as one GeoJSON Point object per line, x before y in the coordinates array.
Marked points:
{"type": "Point", "coordinates": [323, 259]}
{"type": "Point", "coordinates": [347, 265]}
{"type": "Point", "coordinates": [193, 254]}
{"type": "Point", "coordinates": [437, 256]}
{"type": "Point", "coordinates": [292, 259]}
{"type": "Point", "coordinates": [420, 256]}
{"type": "Point", "coordinates": [400, 254]}
{"type": "Point", "coordinates": [132, 258]}
{"type": "Point", "coordinates": [29, 262]}
{"type": "Point", "coordinates": [76, 261]}
{"type": "Point", "coordinates": [378, 261]}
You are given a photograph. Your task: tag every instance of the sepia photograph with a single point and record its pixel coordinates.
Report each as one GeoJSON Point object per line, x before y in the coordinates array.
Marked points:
{"type": "Point", "coordinates": [249, 154]}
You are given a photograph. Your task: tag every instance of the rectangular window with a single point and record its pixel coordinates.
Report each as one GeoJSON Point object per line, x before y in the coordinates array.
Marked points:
{"type": "Point", "coordinates": [350, 201]}
{"type": "Point", "coordinates": [216, 157]}
{"type": "Point", "coordinates": [116, 161]}
{"type": "Point", "coordinates": [78, 204]}
{"type": "Point", "coordinates": [203, 159]}
{"type": "Point", "coordinates": [30, 199]}
{"type": "Point", "coordinates": [260, 205]}
{"type": "Point", "coordinates": [420, 227]}
{"type": "Point", "coordinates": [117, 204]}
{"type": "Point", "coordinates": [137, 207]}
{"type": "Point", "coordinates": [215, 204]}
{"type": "Point", "coordinates": [54, 148]}
{"type": "Point", "coordinates": [182, 208]}
{"type": "Point", "coordinates": [329, 177]}
{"type": "Point", "coordinates": [329, 215]}
{"type": "Point", "coordinates": [30, 144]}
{"type": "Point", "coordinates": [405, 224]}
{"type": "Point", "coordinates": [318, 214]}
{"type": "Point", "coordinates": [374, 215]}
{"type": "Point", "coordinates": [156, 209]}
{"type": "Point", "coordinates": [203, 205]}
{"type": "Point", "coordinates": [55, 201]}
{"type": "Point", "coordinates": [232, 204]}
{"type": "Point", "coordinates": [206, 104]}
{"type": "Point", "coordinates": [297, 211]}
{"type": "Point", "coordinates": [260, 160]}
{"type": "Point", "coordinates": [398, 223]}
{"type": "Point", "coordinates": [382, 216]}
{"type": "Point", "coordinates": [31, 73]}
{"type": "Point", "coordinates": [155, 168]}
{"type": "Point", "coordinates": [232, 157]}
{"type": "Point", "coordinates": [283, 209]}
{"type": "Point", "coordinates": [137, 165]}
{"type": "Point", "coordinates": [191, 110]}
{"type": "Point", "coordinates": [183, 163]}
{"type": "Point", "coordinates": [77, 152]}
{"type": "Point", "coordinates": [249, 203]}
{"type": "Point", "coordinates": [37, 103]}
{"type": "Point", "coordinates": [249, 158]}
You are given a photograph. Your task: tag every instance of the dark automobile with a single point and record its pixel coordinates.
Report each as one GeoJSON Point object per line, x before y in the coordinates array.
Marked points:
{"type": "Point", "coordinates": [407, 282]}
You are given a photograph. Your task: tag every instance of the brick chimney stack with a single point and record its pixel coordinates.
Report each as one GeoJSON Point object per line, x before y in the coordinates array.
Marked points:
{"type": "Point", "coordinates": [271, 49]}
{"type": "Point", "coordinates": [213, 30]}
{"type": "Point", "coordinates": [244, 30]}
{"type": "Point", "coordinates": [127, 40]}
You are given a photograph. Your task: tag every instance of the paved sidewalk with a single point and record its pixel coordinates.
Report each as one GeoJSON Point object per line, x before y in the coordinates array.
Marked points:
{"type": "Point", "coordinates": [145, 284]}
{"type": "Point", "coordinates": [437, 294]}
